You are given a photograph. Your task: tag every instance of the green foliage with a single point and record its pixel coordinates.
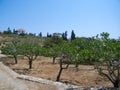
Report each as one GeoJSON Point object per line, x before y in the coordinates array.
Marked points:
{"type": "Point", "coordinates": [64, 36]}
{"type": "Point", "coordinates": [9, 50]}
{"type": "Point", "coordinates": [40, 34]}
{"type": "Point", "coordinates": [12, 48]}
{"type": "Point", "coordinates": [30, 48]}
{"type": "Point", "coordinates": [54, 51]}
{"type": "Point", "coordinates": [52, 41]}
{"type": "Point", "coordinates": [79, 50]}
{"type": "Point", "coordinates": [111, 70]}
{"type": "Point", "coordinates": [108, 54]}
{"type": "Point", "coordinates": [8, 31]}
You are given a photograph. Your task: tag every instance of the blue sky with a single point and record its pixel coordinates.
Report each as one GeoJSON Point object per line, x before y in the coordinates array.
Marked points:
{"type": "Point", "coordinates": [86, 17]}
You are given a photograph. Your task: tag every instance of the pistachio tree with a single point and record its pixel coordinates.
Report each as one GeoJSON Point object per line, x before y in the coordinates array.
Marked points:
{"type": "Point", "coordinates": [11, 49]}
{"type": "Point", "coordinates": [108, 55]}
{"type": "Point", "coordinates": [31, 48]}
{"type": "Point", "coordinates": [64, 60]}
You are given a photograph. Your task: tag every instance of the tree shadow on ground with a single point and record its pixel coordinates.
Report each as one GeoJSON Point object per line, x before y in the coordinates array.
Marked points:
{"type": "Point", "coordinates": [22, 70]}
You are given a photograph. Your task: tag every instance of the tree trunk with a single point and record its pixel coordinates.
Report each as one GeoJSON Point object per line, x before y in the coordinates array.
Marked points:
{"type": "Point", "coordinates": [30, 64]}
{"type": "Point", "coordinates": [76, 64]}
{"type": "Point", "coordinates": [60, 71]}
{"type": "Point", "coordinates": [61, 68]}
{"type": "Point", "coordinates": [54, 60]}
{"type": "Point", "coordinates": [59, 74]}
{"type": "Point", "coordinates": [15, 57]}
{"type": "Point", "coordinates": [116, 84]}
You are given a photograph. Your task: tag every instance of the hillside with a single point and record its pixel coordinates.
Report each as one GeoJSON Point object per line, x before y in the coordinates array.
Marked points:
{"type": "Point", "coordinates": [69, 61]}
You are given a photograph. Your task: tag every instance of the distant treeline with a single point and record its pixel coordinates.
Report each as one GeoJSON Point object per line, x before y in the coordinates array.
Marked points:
{"type": "Point", "coordinates": [22, 32]}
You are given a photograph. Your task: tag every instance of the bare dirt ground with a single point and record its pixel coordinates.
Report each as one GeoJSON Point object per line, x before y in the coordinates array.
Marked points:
{"type": "Point", "coordinates": [43, 68]}
{"type": "Point", "coordinates": [9, 82]}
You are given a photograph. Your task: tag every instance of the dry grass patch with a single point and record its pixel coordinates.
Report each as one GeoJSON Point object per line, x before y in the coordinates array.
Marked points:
{"type": "Point", "coordinates": [43, 68]}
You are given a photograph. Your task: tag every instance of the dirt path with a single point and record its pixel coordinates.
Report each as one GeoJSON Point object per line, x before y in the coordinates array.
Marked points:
{"type": "Point", "coordinates": [9, 83]}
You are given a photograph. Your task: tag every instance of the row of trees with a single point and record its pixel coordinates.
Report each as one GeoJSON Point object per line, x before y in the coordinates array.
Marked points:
{"type": "Point", "coordinates": [23, 33]}
{"type": "Point", "coordinates": [99, 50]}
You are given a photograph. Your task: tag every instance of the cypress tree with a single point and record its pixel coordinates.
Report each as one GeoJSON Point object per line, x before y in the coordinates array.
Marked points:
{"type": "Point", "coordinates": [72, 35]}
